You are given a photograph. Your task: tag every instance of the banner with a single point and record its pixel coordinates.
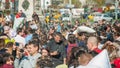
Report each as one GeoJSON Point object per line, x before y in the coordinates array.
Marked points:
{"type": "Point", "coordinates": [17, 23]}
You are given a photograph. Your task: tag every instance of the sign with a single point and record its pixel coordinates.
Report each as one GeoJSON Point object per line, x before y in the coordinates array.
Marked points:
{"type": "Point", "coordinates": [17, 23]}
{"type": "Point", "coordinates": [77, 12]}
{"type": "Point", "coordinates": [28, 12]}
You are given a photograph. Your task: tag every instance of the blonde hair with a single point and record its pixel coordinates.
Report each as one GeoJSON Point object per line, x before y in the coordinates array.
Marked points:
{"type": "Point", "coordinates": [112, 50]}
{"type": "Point", "coordinates": [93, 40]}
{"type": "Point", "coordinates": [85, 58]}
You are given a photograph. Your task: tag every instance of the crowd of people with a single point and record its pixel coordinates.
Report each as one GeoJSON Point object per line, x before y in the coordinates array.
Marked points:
{"type": "Point", "coordinates": [58, 46]}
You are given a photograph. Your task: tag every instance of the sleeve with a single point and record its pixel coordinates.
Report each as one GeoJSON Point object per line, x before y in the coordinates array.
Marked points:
{"type": "Point", "coordinates": [16, 63]}
{"type": "Point", "coordinates": [19, 63]}
{"type": "Point", "coordinates": [48, 45]}
{"type": "Point", "coordinates": [63, 51]}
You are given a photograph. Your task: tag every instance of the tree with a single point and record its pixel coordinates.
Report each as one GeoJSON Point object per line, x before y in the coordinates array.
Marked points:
{"type": "Point", "coordinates": [66, 1]}
{"type": "Point", "coordinates": [99, 2]}
{"type": "Point", "coordinates": [77, 3]}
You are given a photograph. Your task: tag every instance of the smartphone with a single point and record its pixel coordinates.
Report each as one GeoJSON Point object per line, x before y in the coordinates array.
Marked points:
{"type": "Point", "coordinates": [16, 43]}
{"type": "Point", "coordinates": [21, 50]}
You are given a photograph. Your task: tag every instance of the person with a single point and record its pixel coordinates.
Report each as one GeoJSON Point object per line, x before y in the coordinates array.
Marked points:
{"type": "Point", "coordinates": [7, 61]}
{"type": "Point", "coordinates": [84, 58]}
{"type": "Point", "coordinates": [72, 61]}
{"type": "Point", "coordinates": [1, 60]}
{"type": "Point", "coordinates": [18, 15]}
{"type": "Point", "coordinates": [2, 20]}
{"type": "Point", "coordinates": [45, 52]}
{"type": "Point", "coordinates": [19, 38]}
{"type": "Point", "coordinates": [2, 46]}
{"type": "Point", "coordinates": [71, 43]}
{"type": "Point", "coordinates": [58, 28]}
{"type": "Point", "coordinates": [44, 63]}
{"type": "Point", "coordinates": [82, 39]}
{"type": "Point", "coordinates": [113, 53]}
{"type": "Point", "coordinates": [99, 61]}
{"type": "Point", "coordinates": [57, 47]}
{"type": "Point", "coordinates": [117, 36]}
{"type": "Point", "coordinates": [75, 54]}
{"type": "Point", "coordinates": [29, 35]}
{"type": "Point", "coordinates": [117, 55]}
{"type": "Point", "coordinates": [22, 14]}
{"type": "Point", "coordinates": [2, 43]}
{"type": "Point", "coordinates": [69, 25]}
{"type": "Point", "coordinates": [46, 60]}
{"type": "Point", "coordinates": [30, 60]}
{"type": "Point", "coordinates": [35, 17]}
{"type": "Point", "coordinates": [5, 33]}
{"type": "Point", "coordinates": [109, 33]}
{"type": "Point", "coordinates": [92, 44]}
{"type": "Point", "coordinates": [77, 23]}
{"type": "Point", "coordinates": [33, 25]}
{"type": "Point", "coordinates": [8, 18]}
{"type": "Point", "coordinates": [9, 47]}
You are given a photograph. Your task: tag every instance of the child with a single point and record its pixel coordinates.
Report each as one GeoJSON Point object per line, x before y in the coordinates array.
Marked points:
{"type": "Point", "coordinates": [7, 61]}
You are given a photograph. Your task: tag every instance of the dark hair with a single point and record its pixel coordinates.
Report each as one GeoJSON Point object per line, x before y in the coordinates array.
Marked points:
{"type": "Point", "coordinates": [46, 50]}
{"type": "Point", "coordinates": [75, 53]}
{"type": "Point", "coordinates": [80, 51]}
{"type": "Point", "coordinates": [1, 59]}
{"type": "Point", "coordinates": [2, 43]}
{"type": "Point", "coordinates": [117, 34]}
{"type": "Point", "coordinates": [43, 39]}
{"type": "Point", "coordinates": [0, 15]}
{"type": "Point", "coordinates": [35, 35]}
{"type": "Point", "coordinates": [9, 45]}
{"type": "Point", "coordinates": [34, 42]}
{"type": "Point", "coordinates": [84, 58]}
{"type": "Point", "coordinates": [62, 38]}
{"type": "Point", "coordinates": [93, 53]}
{"type": "Point", "coordinates": [57, 33]}
{"type": "Point", "coordinates": [19, 30]}
{"type": "Point", "coordinates": [81, 33]}
{"type": "Point", "coordinates": [110, 47]}
{"type": "Point", "coordinates": [45, 63]}
{"type": "Point", "coordinates": [6, 57]}
{"type": "Point", "coordinates": [71, 38]}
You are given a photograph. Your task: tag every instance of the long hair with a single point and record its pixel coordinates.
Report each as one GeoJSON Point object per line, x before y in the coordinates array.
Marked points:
{"type": "Point", "coordinates": [75, 52]}
{"type": "Point", "coordinates": [2, 43]}
{"type": "Point", "coordinates": [112, 50]}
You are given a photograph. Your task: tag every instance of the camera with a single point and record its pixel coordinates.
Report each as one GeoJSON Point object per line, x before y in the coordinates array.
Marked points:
{"type": "Point", "coordinates": [21, 50]}
{"type": "Point", "coordinates": [16, 43]}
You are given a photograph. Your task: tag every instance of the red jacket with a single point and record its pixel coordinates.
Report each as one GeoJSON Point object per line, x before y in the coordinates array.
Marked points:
{"type": "Point", "coordinates": [18, 15]}
{"type": "Point", "coordinates": [97, 50]}
{"type": "Point", "coordinates": [7, 66]}
{"type": "Point", "coordinates": [70, 46]}
{"type": "Point", "coordinates": [117, 63]}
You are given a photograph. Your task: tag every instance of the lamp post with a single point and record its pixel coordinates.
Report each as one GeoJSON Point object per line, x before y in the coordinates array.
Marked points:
{"type": "Point", "coordinates": [11, 6]}
{"type": "Point", "coordinates": [44, 7]}
{"type": "Point", "coordinates": [70, 3]}
{"type": "Point", "coordinates": [116, 9]}
{"type": "Point", "coordinates": [0, 4]}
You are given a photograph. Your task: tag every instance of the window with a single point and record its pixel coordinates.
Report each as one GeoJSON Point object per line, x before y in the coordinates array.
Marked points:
{"type": "Point", "coordinates": [106, 16]}
{"type": "Point", "coordinates": [65, 15]}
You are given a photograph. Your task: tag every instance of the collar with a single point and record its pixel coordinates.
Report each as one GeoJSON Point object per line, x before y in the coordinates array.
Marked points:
{"type": "Point", "coordinates": [35, 56]}
{"type": "Point", "coordinates": [97, 50]}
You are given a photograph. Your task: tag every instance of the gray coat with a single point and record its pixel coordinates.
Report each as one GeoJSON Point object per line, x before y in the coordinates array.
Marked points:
{"type": "Point", "coordinates": [26, 62]}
